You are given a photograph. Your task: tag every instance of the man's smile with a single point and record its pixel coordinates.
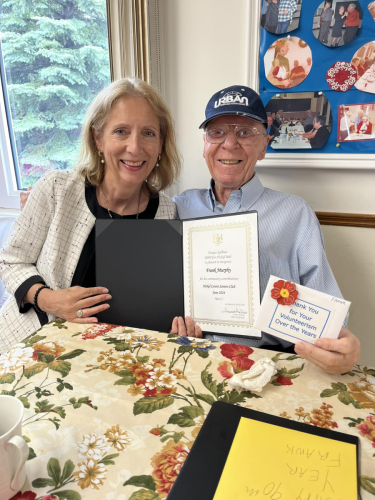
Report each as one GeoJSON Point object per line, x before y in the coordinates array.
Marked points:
{"type": "Point", "coordinates": [230, 162]}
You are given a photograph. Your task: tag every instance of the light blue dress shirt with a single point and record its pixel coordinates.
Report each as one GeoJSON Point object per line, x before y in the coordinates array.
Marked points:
{"type": "Point", "coordinates": [291, 245]}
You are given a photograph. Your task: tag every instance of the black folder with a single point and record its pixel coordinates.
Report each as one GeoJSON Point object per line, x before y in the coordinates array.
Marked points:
{"type": "Point", "coordinates": [140, 262]}
{"type": "Point", "coordinates": [202, 470]}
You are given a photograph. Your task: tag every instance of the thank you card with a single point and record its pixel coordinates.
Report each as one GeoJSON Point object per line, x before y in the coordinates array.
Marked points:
{"type": "Point", "coordinates": [294, 312]}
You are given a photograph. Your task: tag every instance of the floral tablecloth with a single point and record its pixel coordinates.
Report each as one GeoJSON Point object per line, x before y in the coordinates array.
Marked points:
{"type": "Point", "coordinates": [112, 412]}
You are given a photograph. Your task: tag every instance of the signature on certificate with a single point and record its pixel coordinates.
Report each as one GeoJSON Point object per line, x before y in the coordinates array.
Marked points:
{"type": "Point", "coordinates": [234, 311]}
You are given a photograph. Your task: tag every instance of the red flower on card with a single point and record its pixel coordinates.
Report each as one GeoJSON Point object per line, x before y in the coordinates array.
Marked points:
{"type": "Point", "coordinates": [234, 350]}
{"type": "Point", "coordinates": [284, 292]}
{"type": "Point", "coordinates": [284, 380]}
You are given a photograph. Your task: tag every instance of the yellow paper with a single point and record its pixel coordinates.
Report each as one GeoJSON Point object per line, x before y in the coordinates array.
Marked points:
{"type": "Point", "coordinates": [274, 463]}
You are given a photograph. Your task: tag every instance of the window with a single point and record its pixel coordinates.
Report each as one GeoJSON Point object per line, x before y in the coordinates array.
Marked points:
{"type": "Point", "coordinates": [55, 59]}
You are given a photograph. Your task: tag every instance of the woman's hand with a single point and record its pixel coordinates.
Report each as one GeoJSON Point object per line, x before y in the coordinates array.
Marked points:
{"type": "Point", "coordinates": [186, 328]}
{"type": "Point", "coordinates": [66, 302]}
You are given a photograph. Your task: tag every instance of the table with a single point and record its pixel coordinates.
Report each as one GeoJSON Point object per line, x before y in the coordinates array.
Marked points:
{"type": "Point", "coordinates": [366, 85]}
{"type": "Point", "coordinates": [112, 412]}
{"type": "Point", "coordinates": [299, 144]}
{"type": "Point", "coordinates": [359, 137]}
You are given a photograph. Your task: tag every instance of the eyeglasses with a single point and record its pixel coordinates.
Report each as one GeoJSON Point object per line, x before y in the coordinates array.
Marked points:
{"type": "Point", "coordinates": [244, 135]}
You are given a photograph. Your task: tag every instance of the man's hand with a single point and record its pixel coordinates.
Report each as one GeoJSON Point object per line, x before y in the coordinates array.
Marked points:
{"type": "Point", "coordinates": [333, 355]}
{"type": "Point", "coordinates": [186, 328]}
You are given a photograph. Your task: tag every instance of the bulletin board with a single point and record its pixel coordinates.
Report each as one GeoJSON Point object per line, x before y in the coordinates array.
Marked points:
{"type": "Point", "coordinates": [323, 58]}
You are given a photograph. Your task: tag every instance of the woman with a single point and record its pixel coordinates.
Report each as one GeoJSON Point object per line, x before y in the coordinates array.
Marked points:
{"type": "Point", "coordinates": [272, 16]}
{"type": "Point", "coordinates": [279, 73]}
{"type": "Point", "coordinates": [128, 154]}
{"type": "Point", "coordinates": [365, 127]}
{"type": "Point", "coordinates": [337, 27]}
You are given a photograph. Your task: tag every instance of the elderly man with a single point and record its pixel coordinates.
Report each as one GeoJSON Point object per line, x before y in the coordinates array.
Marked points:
{"type": "Point", "coordinates": [290, 241]}
{"type": "Point", "coordinates": [352, 23]}
{"type": "Point", "coordinates": [307, 67]}
{"type": "Point", "coordinates": [359, 118]}
{"type": "Point", "coordinates": [326, 18]}
{"type": "Point", "coordinates": [286, 11]}
{"type": "Point", "coordinates": [308, 121]}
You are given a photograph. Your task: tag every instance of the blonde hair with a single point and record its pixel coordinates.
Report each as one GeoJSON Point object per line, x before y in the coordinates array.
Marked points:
{"type": "Point", "coordinates": [89, 163]}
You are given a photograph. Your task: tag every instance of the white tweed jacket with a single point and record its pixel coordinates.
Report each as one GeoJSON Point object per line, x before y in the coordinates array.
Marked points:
{"type": "Point", "coordinates": [47, 240]}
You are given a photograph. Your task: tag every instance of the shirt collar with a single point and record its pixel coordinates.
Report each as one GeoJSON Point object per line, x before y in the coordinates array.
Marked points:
{"type": "Point", "coordinates": [249, 193]}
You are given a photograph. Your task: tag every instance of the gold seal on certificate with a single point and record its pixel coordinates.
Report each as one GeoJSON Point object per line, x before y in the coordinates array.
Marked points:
{"type": "Point", "coordinates": [221, 273]}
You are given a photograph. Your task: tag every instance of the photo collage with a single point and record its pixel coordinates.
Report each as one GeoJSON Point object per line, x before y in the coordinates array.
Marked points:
{"type": "Point", "coordinates": [304, 119]}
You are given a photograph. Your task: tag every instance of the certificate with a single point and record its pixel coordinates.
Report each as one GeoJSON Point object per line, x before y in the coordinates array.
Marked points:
{"type": "Point", "coordinates": [158, 269]}
{"type": "Point", "coordinates": [221, 273]}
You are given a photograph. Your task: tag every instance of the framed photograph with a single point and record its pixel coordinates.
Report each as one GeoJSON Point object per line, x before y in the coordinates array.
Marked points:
{"type": "Point", "coordinates": [337, 23]}
{"type": "Point", "coordinates": [299, 121]}
{"type": "Point", "coordinates": [356, 122]}
{"type": "Point", "coordinates": [334, 154]}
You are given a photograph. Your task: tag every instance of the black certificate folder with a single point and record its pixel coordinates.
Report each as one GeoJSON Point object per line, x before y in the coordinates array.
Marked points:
{"type": "Point", "coordinates": [286, 460]}
{"type": "Point", "coordinates": [140, 262]}
{"type": "Point", "coordinates": [204, 268]}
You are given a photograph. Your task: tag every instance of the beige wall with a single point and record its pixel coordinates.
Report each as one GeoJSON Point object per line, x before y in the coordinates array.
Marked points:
{"type": "Point", "coordinates": [205, 45]}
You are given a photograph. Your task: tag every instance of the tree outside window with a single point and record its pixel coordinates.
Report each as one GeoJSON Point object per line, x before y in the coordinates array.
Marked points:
{"type": "Point", "coordinates": [56, 60]}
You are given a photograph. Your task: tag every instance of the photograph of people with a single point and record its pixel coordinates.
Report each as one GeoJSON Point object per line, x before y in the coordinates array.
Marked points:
{"type": "Point", "coordinates": [371, 8]}
{"type": "Point", "coordinates": [282, 62]}
{"type": "Point", "coordinates": [128, 155]}
{"type": "Point", "coordinates": [337, 23]}
{"type": "Point", "coordinates": [356, 122]}
{"type": "Point", "coordinates": [364, 61]}
{"type": "Point", "coordinates": [243, 140]}
{"type": "Point", "coordinates": [281, 16]}
{"type": "Point", "coordinates": [306, 122]}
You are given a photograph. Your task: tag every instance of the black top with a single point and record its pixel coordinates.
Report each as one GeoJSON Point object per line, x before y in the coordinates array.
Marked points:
{"type": "Point", "coordinates": [320, 137]}
{"type": "Point", "coordinates": [84, 274]}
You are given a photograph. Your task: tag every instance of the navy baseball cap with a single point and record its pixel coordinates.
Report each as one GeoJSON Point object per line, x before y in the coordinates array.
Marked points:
{"type": "Point", "coordinates": [236, 100]}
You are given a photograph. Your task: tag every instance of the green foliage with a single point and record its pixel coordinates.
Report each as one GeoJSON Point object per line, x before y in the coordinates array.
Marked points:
{"type": "Point", "coordinates": [186, 417]}
{"type": "Point", "coordinates": [144, 495]}
{"type": "Point", "coordinates": [141, 481]}
{"type": "Point", "coordinates": [149, 404]}
{"type": "Point", "coordinates": [341, 391]}
{"type": "Point", "coordinates": [368, 484]}
{"type": "Point", "coordinates": [56, 59]}
{"type": "Point", "coordinates": [7, 378]}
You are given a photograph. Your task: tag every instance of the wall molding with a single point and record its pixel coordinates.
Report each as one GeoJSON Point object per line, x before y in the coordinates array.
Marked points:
{"type": "Point", "coordinates": [353, 220]}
